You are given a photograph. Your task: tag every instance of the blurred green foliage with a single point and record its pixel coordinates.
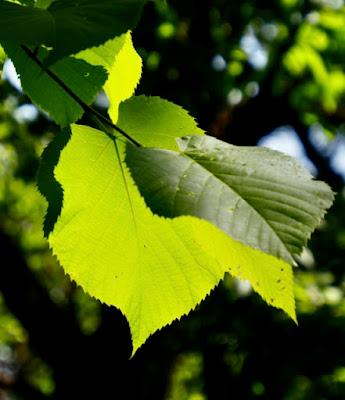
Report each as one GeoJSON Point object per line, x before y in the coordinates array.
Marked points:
{"type": "Point", "coordinates": [243, 69]}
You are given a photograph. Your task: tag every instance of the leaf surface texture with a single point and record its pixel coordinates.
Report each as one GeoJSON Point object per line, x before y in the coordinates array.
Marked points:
{"type": "Point", "coordinates": [257, 196]}
{"type": "Point", "coordinates": [153, 269]}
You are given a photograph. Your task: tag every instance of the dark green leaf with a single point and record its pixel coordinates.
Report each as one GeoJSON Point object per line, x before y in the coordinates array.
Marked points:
{"type": "Point", "coordinates": [258, 196]}
{"type": "Point", "coordinates": [68, 26]}
{"type": "Point", "coordinates": [25, 25]}
{"type": "Point", "coordinates": [83, 79]}
{"type": "Point", "coordinates": [81, 24]}
{"type": "Point", "coordinates": [46, 182]}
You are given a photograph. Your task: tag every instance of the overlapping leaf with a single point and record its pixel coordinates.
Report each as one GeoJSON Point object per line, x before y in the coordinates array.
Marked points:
{"type": "Point", "coordinates": [68, 26]}
{"type": "Point", "coordinates": [153, 269]}
{"type": "Point", "coordinates": [116, 66]}
{"type": "Point", "coordinates": [257, 196]}
{"type": "Point", "coordinates": [123, 65]}
{"type": "Point", "coordinates": [154, 263]}
{"type": "Point", "coordinates": [82, 78]}
{"type": "Point", "coordinates": [81, 24]}
{"type": "Point", "coordinates": [117, 57]}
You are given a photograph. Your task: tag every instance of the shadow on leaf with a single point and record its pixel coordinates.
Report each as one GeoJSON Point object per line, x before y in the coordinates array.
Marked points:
{"type": "Point", "coordinates": [47, 184]}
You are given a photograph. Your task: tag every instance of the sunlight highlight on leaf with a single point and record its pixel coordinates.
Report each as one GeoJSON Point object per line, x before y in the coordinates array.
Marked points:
{"type": "Point", "coordinates": [156, 122]}
{"type": "Point", "coordinates": [153, 269]}
{"type": "Point", "coordinates": [123, 65]}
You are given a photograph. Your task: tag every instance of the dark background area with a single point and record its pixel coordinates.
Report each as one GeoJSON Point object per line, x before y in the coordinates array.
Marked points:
{"type": "Point", "coordinates": [245, 70]}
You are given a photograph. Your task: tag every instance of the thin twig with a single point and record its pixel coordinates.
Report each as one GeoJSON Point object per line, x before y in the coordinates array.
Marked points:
{"type": "Point", "coordinates": [87, 109]}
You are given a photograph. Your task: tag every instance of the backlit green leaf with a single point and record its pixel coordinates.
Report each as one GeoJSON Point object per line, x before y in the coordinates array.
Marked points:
{"type": "Point", "coordinates": [153, 269]}
{"type": "Point", "coordinates": [123, 65]}
{"type": "Point", "coordinates": [156, 122]}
